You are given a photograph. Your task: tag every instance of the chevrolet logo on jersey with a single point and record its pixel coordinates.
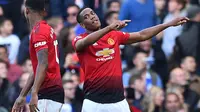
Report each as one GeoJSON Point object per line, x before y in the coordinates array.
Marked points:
{"type": "Point", "coordinates": [105, 52]}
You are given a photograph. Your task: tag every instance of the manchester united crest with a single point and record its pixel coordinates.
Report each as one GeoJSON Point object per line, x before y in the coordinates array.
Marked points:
{"type": "Point", "coordinates": [110, 41]}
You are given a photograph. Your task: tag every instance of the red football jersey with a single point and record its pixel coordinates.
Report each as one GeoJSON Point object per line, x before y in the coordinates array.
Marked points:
{"type": "Point", "coordinates": [101, 64]}
{"type": "Point", "coordinates": [43, 37]}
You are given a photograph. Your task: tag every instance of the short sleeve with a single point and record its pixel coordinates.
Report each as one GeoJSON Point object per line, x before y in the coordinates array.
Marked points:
{"type": "Point", "coordinates": [122, 37]}
{"type": "Point", "coordinates": [75, 40]}
{"type": "Point", "coordinates": [40, 42]}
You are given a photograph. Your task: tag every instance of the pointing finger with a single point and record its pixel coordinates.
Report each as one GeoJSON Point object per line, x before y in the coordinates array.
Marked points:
{"type": "Point", "coordinates": [127, 21]}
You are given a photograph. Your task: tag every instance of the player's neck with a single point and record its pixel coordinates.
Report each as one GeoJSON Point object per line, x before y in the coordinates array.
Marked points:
{"type": "Point", "coordinates": [89, 31]}
{"type": "Point", "coordinates": [35, 19]}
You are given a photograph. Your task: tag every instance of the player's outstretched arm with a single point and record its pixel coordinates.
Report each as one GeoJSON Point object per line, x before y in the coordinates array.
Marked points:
{"type": "Point", "coordinates": [21, 100]}
{"type": "Point", "coordinates": [95, 36]}
{"type": "Point", "coordinates": [152, 31]}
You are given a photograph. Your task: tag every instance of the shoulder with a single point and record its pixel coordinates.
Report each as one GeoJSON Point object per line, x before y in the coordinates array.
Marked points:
{"type": "Point", "coordinates": [14, 37]}
{"type": "Point", "coordinates": [81, 36]}
{"type": "Point", "coordinates": [42, 29]}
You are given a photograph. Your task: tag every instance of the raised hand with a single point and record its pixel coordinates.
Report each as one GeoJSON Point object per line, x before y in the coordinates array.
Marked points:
{"type": "Point", "coordinates": [178, 21]}
{"type": "Point", "coordinates": [119, 24]}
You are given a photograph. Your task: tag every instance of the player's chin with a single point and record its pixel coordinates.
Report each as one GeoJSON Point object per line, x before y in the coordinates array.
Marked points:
{"type": "Point", "coordinates": [96, 27]}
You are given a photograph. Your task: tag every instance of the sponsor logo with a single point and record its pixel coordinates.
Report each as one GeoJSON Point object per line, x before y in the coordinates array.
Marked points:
{"type": "Point", "coordinates": [110, 41]}
{"type": "Point", "coordinates": [40, 44]}
{"type": "Point", "coordinates": [105, 54]}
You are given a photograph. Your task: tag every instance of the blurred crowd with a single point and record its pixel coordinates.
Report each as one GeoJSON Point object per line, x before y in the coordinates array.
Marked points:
{"type": "Point", "coordinates": [159, 75]}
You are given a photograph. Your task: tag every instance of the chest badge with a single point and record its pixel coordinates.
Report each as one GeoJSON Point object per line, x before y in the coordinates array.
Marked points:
{"type": "Point", "coordinates": [110, 41]}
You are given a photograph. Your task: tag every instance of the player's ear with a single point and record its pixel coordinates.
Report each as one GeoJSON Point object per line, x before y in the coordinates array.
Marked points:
{"type": "Point", "coordinates": [27, 11]}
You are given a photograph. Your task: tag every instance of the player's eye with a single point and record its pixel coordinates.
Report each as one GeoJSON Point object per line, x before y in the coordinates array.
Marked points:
{"type": "Point", "coordinates": [92, 13]}
{"type": "Point", "coordinates": [86, 17]}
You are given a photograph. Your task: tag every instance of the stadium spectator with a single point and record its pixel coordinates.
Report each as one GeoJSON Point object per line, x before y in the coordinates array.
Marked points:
{"type": "Point", "coordinates": [178, 90]}
{"type": "Point", "coordinates": [137, 82]}
{"type": "Point", "coordinates": [187, 44]}
{"type": "Point", "coordinates": [74, 76]}
{"type": "Point", "coordinates": [12, 11]}
{"type": "Point", "coordinates": [24, 49]}
{"type": "Point", "coordinates": [129, 93]}
{"type": "Point", "coordinates": [176, 9]}
{"type": "Point", "coordinates": [153, 100]}
{"type": "Point", "coordinates": [188, 64]}
{"type": "Point", "coordinates": [9, 39]}
{"type": "Point", "coordinates": [70, 105]}
{"type": "Point", "coordinates": [141, 12]}
{"type": "Point", "coordinates": [27, 66]}
{"type": "Point", "coordinates": [14, 91]}
{"type": "Point", "coordinates": [157, 61]}
{"type": "Point", "coordinates": [56, 23]}
{"type": "Point", "coordinates": [141, 63]}
{"type": "Point", "coordinates": [173, 103]}
{"type": "Point", "coordinates": [179, 77]}
{"type": "Point", "coordinates": [58, 6]}
{"type": "Point", "coordinates": [65, 46]}
{"type": "Point", "coordinates": [14, 70]}
{"type": "Point", "coordinates": [113, 5]}
{"type": "Point", "coordinates": [160, 10]}
{"type": "Point", "coordinates": [1, 11]}
{"type": "Point", "coordinates": [72, 11]}
{"type": "Point", "coordinates": [4, 85]}
{"type": "Point", "coordinates": [110, 17]}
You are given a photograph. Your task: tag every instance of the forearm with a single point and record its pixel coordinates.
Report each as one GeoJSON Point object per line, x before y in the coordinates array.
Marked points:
{"type": "Point", "coordinates": [152, 31]}
{"type": "Point", "coordinates": [28, 86]}
{"type": "Point", "coordinates": [91, 38]}
{"type": "Point", "coordinates": [94, 37]}
{"type": "Point", "coordinates": [40, 76]}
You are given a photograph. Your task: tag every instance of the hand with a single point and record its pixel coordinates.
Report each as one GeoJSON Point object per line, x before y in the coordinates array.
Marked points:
{"type": "Point", "coordinates": [68, 61]}
{"type": "Point", "coordinates": [33, 103]}
{"type": "Point", "coordinates": [178, 21]}
{"type": "Point", "coordinates": [19, 104]}
{"type": "Point", "coordinates": [119, 24]}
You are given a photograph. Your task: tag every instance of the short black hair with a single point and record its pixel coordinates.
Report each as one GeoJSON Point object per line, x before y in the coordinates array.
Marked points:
{"type": "Point", "coordinates": [184, 58]}
{"type": "Point", "coordinates": [109, 14]}
{"type": "Point", "coordinates": [73, 5]}
{"type": "Point", "coordinates": [37, 5]}
{"type": "Point", "coordinates": [182, 2]}
{"type": "Point", "coordinates": [2, 20]}
{"type": "Point", "coordinates": [110, 2]}
{"type": "Point", "coordinates": [79, 17]}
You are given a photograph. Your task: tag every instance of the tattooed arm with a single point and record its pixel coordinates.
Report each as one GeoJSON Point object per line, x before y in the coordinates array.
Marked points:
{"type": "Point", "coordinates": [42, 56]}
